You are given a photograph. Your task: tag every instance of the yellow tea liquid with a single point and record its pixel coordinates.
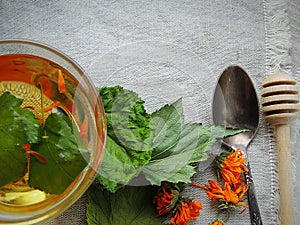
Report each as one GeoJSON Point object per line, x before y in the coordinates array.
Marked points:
{"type": "Point", "coordinates": [32, 78]}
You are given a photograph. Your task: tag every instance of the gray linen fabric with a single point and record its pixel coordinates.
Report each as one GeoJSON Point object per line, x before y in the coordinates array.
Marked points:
{"type": "Point", "coordinates": [169, 49]}
{"type": "Point", "coordinates": [293, 11]}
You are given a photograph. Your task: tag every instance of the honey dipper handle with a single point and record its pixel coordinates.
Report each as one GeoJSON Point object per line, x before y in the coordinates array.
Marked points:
{"type": "Point", "coordinates": [285, 175]}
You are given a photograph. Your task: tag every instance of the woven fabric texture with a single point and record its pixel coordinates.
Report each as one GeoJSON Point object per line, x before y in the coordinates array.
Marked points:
{"type": "Point", "coordinates": [169, 49]}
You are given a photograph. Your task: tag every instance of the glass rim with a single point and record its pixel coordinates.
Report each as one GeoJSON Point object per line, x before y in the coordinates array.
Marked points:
{"type": "Point", "coordinates": [87, 175]}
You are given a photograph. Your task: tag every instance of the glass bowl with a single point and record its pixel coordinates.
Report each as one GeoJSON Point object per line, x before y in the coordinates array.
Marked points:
{"type": "Point", "coordinates": [34, 71]}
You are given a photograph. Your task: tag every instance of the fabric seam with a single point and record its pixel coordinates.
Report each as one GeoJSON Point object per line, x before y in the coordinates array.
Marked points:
{"type": "Point", "coordinates": [277, 59]}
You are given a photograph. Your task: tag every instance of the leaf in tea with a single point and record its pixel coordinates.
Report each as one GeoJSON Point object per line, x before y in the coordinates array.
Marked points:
{"type": "Point", "coordinates": [65, 153]}
{"type": "Point", "coordinates": [18, 127]}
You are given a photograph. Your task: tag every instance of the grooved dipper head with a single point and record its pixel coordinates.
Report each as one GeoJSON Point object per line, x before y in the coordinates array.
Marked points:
{"type": "Point", "coordinates": [280, 99]}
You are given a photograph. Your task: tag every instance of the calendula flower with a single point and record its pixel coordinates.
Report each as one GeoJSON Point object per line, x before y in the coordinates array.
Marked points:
{"type": "Point", "coordinates": [186, 210]}
{"type": "Point", "coordinates": [217, 222]}
{"type": "Point", "coordinates": [231, 167]}
{"type": "Point", "coordinates": [229, 197]}
{"type": "Point", "coordinates": [166, 198]}
{"type": "Point", "coordinates": [169, 199]}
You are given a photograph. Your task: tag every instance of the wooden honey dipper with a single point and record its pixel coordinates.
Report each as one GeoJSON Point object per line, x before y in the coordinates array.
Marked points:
{"type": "Point", "coordinates": [280, 105]}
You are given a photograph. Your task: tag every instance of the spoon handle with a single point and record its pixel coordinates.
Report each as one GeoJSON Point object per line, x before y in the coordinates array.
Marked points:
{"type": "Point", "coordinates": [252, 201]}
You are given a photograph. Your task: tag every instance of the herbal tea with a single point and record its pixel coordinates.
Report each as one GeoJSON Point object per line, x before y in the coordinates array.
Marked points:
{"type": "Point", "coordinates": [44, 130]}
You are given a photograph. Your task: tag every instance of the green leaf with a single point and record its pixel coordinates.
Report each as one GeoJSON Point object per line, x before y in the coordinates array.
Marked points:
{"type": "Point", "coordinates": [134, 136]}
{"type": "Point", "coordinates": [175, 167]}
{"type": "Point", "coordinates": [231, 131]}
{"type": "Point", "coordinates": [129, 142]}
{"type": "Point", "coordinates": [168, 123]}
{"type": "Point", "coordinates": [128, 123]}
{"type": "Point", "coordinates": [116, 169]}
{"type": "Point", "coordinates": [131, 205]}
{"type": "Point", "coordinates": [205, 138]}
{"type": "Point", "coordinates": [65, 154]}
{"type": "Point", "coordinates": [18, 127]}
{"type": "Point", "coordinates": [178, 146]}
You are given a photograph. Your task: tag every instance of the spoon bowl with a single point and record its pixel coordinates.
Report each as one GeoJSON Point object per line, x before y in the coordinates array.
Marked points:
{"type": "Point", "coordinates": [235, 105]}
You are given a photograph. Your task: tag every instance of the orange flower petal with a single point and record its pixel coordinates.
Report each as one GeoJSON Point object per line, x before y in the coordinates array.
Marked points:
{"type": "Point", "coordinates": [185, 212]}
{"type": "Point", "coordinates": [217, 222]}
{"type": "Point", "coordinates": [49, 108]}
{"type": "Point", "coordinates": [61, 82]}
{"type": "Point", "coordinates": [37, 155]}
{"type": "Point", "coordinates": [84, 131]}
{"type": "Point", "coordinates": [163, 200]}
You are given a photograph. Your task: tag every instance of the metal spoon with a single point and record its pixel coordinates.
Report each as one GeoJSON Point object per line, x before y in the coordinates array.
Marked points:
{"type": "Point", "coordinates": [235, 105]}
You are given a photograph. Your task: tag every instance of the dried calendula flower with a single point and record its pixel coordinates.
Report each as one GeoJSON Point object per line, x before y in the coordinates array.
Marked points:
{"type": "Point", "coordinates": [186, 210]}
{"type": "Point", "coordinates": [228, 197]}
{"type": "Point", "coordinates": [231, 166]}
{"type": "Point", "coordinates": [166, 198]}
{"type": "Point", "coordinates": [217, 222]}
{"type": "Point", "coordinates": [169, 199]}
